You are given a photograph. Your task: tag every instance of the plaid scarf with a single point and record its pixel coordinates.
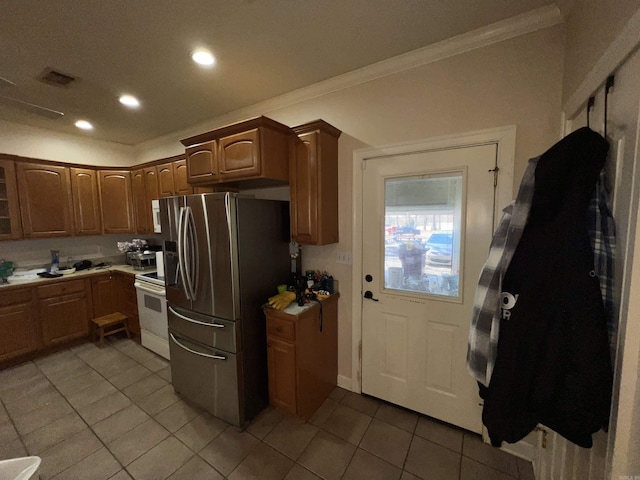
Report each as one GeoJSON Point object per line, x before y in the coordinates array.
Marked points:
{"type": "Point", "coordinates": [602, 232]}
{"type": "Point", "coordinates": [485, 320]}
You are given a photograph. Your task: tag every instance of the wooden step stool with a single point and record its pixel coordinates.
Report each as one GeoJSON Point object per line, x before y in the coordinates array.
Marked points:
{"type": "Point", "coordinates": [110, 324]}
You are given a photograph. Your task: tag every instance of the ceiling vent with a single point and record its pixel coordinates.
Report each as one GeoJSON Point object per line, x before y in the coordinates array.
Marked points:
{"type": "Point", "coordinates": [56, 78]}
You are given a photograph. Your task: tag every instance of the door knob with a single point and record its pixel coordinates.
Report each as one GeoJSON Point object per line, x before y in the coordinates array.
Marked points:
{"type": "Point", "coordinates": [369, 295]}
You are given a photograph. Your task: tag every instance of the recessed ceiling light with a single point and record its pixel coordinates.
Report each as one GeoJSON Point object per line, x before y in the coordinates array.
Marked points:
{"type": "Point", "coordinates": [203, 57]}
{"type": "Point", "coordinates": [84, 125]}
{"type": "Point", "coordinates": [129, 101]}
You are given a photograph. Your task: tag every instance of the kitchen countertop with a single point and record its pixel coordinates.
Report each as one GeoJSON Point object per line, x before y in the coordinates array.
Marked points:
{"type": "Point", "coordinates": [79, 274]}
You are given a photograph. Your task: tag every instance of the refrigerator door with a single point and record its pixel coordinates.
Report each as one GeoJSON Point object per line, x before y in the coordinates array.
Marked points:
{"type": "Point", "coordinates": [200, 253]}
{"type": "Point", "coordinates": [215, 282]}
{"type": "Point", "coordinates": [208, 377]}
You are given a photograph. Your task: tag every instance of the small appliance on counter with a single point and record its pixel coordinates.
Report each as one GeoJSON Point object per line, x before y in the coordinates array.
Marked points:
{"type": "Point", "coordinates": [140, 254]}
{"type": "Point", "coordinates": [142, 259]}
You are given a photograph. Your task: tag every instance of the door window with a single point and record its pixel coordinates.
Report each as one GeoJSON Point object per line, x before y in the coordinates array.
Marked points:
{"type": "Point", "coordinates": [422, 232]}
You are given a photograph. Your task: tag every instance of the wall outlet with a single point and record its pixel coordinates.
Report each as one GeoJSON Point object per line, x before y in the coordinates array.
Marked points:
{"type": "Point", "coordinates": [344, 258]}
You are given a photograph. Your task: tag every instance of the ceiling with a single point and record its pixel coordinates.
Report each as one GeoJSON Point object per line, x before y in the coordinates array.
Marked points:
{"type": "Point", "coordinates": [264, 48]}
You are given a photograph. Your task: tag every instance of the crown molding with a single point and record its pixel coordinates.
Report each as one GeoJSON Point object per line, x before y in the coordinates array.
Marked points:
{"type": "Point", "coordinates": [617, 52]}
{"type": "Point", "coordinates": [516, 26]}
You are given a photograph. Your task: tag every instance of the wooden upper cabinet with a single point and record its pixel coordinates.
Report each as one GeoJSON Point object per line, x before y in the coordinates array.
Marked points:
{"type": "Point", "coordinates": [86, 201]}
{"type": "Point", "coordinates": [151, 193]}
{"type": "Point", "coordinates": [314, 184]}
{"type": "Point", "coordinates": [181, 178]}
{"type": "Point", "coordinates": [250, 154]}
{"type": "Point", "coordinates": [151, 184]}
{"type": "Point", "coordinates": [45, 200]}
{"type": "Point", "coordinates": [166, 184]}
{"type": "Point", "coordinates": [142, 219]}
{"type": "Point", "coordinates": [239, 155]}
{"type": "Point", "coordinates": [117, 201]}
{"type": "Point", "coordinates": [202, 166]}
{"type": "Point", "coordinates": [10, 227]}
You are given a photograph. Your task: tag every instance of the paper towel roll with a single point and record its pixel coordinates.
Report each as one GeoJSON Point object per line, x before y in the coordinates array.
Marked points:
{"type": "Point", "coordinates": [159, 264]}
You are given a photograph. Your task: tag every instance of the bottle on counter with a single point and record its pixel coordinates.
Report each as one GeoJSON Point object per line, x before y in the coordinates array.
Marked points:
{"type": "Point", "coordinates": [55, 261]}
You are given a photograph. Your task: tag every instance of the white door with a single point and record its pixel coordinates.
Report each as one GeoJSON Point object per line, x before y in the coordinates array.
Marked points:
{"type": "Point", "coordinates": [427, 225]}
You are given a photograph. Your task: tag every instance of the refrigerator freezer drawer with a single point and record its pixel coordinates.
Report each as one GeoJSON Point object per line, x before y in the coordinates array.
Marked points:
{"type": "Point", "coordinates": [207, 377]}
{"type": "Point", "coordinates": [210, 331]}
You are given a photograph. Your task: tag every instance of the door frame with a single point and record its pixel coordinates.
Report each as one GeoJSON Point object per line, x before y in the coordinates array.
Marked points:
{"type": "Point", "coordinates": [505, 139]}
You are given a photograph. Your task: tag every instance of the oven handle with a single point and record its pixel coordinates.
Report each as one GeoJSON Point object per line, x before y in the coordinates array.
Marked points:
{"type": "Point", "coordinates": [146, 288]}
{"type": "Point", "coordinates": [215, 357]}
{"type": "Point", "coordinates": [215, 325]}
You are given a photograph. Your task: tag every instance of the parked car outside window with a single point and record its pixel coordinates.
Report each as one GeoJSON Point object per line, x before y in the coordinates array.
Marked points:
{"type": "Point", "coordinates": [440, 246]}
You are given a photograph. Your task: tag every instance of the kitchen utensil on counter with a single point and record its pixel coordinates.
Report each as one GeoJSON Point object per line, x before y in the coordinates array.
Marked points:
{"type": "Point", "coordinates": [6, 269]}
{"type": "Point", "coordinates": [82, 265]}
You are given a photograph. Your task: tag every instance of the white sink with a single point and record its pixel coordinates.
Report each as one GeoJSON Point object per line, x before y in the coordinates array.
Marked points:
{"type": "Point", "coordinates": [19, 468]}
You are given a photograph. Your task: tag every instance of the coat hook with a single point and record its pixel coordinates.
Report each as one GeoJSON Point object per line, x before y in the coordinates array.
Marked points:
{"type": "Point", "coordinates": [590, 104]}
{"type": "Point", "coordinates": [607, 88]}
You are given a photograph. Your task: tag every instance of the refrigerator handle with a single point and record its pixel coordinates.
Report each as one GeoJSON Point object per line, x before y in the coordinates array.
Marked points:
{"type": "Point", "coordinates": [215, 357]}
{"type": "Point", "coordinates": [181, 255]}
{"type": "Point", "coordinates": [215, 325]}
{"type": "Point", "coordinates": [194, 254]}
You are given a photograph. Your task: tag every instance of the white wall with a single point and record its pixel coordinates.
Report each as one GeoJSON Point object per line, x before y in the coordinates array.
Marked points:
{"type": "Point", "coordinates": [592, 26]}
{"type": "Point", "coordinates": [16, 139]}
{"type": "Point", "coordinates": [515, 82]}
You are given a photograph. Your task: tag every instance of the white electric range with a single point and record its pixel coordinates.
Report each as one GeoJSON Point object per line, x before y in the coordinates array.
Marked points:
{"type": "Point", "coordinates": [152, 311]}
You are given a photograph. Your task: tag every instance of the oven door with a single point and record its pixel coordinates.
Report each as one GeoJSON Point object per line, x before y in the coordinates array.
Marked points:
{"type": "Point", "coordinates": [152, 312]}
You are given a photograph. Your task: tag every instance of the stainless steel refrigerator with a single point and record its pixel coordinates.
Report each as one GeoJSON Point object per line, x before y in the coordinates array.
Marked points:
{"type": "Point", "coordinates": [224, 255]}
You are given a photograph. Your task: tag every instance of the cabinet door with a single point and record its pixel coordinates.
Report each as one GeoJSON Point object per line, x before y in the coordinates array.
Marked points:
{"type": "Point", "coordinates": [104, 295]}
{"type": "Point", "coordinates": [64, 318]}
{"type": "Point", "coordinates": [239, 155]}
{"type": "Point", "coordinates": [180, 178]}
{"type": "Point", "coordinates": [304, 190]}
{"type": "Point", "coordinates": [202, 166]}
{"type": "Point", "coordinates": [18, 330]}
{"type": "Point", "coordinates": [128, 300]}
{"type": "Point", "coordinates": [45, 200]}
{"type": "Point", "coordinates": [86, 201]}
{"type": "Point", "coordinates": [166, 185]}
{"type": "Point", "coordinates": [117, 201]}
{"type": "Point", "coordinates": [313, 178]}
{"type": "Point", "coordinates": [10, 227]}
{"type": "Point", "coordinates": [139, 200]}
{"type": "Point", "coordinates": [281, 364]}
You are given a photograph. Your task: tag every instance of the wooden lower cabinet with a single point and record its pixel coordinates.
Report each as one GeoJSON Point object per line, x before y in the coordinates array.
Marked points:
{"type": "Point", "coordinates": [128, 300]}
{"type": "Point", "coordinates": [104, 295]}
{"type": "Point", "coordinates": [302, 357]}
{"type": "Point", "coordinates": [19, 331]}
{"type": "Point", "coordinates": [64, 311]}
{"type": "Point", "coordinates": [281, 361]}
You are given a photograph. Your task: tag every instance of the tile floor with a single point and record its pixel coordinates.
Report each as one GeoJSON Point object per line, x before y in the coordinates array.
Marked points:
{"type": "Point", "coordinates": [111, 413]}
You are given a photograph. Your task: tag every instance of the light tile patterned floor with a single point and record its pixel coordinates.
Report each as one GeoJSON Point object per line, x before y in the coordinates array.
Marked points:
{"type": "Point", "coordinates": [111, 413]}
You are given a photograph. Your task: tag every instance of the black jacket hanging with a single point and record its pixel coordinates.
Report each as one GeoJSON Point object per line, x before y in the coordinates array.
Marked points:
{"type": "Point", "coordinates": [553, 365]}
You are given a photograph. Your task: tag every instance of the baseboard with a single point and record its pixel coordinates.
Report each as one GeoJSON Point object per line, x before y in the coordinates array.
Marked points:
{"type": "Point", "coordinates": [345, 382]}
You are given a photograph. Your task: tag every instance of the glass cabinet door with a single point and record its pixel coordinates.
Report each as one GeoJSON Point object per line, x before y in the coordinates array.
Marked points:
{"type": "Point", "coordinates": [9, 213]}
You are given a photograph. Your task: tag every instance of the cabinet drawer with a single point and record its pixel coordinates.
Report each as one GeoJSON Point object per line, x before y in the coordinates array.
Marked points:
{"type": "Point", "coordinates": [281, 328]}
{"type": "Point", "coordinates": [61, 288]}
{"type": "Point", "coordinates": [13, 297]}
